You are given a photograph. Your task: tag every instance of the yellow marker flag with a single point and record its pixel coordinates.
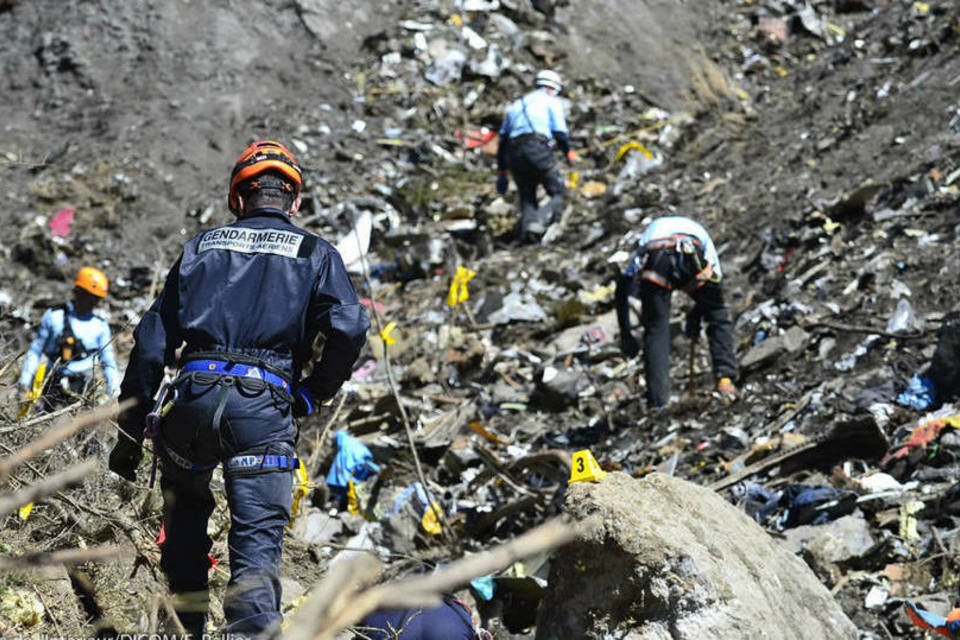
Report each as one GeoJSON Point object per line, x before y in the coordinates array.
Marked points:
{"type": "Point", "coordinates": [573, 179]}
{"type": "Point", "coordinates": [459, 293]}
{"type": "Point", "coordinates": [430, 520]}
{"type": "Point", "coordinates": [302, 489]}
{"type": "Point", "coordinates": [36, 390]}
{"type": "Point", "coordinates": [386, 333]}
{"type": "Point", "coordinates": [24, 511]}
{"type": "Point", "coordinates": [353, 501]}
{"type": "Point", "coordinates": [631, 146]}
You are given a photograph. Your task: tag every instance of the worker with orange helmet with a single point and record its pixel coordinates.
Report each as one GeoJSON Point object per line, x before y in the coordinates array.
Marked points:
{"type": "Point", "coordinates": [246, 301]}
{"type": "Point", "coordinates": [72, 338]}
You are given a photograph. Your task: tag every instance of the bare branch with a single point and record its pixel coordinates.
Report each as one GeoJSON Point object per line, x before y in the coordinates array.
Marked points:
{"type": "Point", "coordinates": [47, 487]}
{"type": "Point", "coordinates": [61, 432]}
{"type": "Point", "coordinates": [342, 581]}
{"type": "Point", "coordinates": [67, 557]}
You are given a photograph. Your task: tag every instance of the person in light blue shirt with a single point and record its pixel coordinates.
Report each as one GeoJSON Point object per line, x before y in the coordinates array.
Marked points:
{"type": "Point", "coordinates": [530, 128]}
{"type": "Point", "coordinates": [72, 338]}
{"type": "Point", "coordinates": [676, 252]}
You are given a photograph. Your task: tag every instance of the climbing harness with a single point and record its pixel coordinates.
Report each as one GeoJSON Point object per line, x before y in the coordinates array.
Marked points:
{"type": "Point", "coordinates": [225, 373]}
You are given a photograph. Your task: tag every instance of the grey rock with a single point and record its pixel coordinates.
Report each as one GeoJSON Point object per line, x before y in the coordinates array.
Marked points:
{"type": "Point", "coordinates": [842, 540]}
{"type": "Point", "coordinates": [291, 590]}
{"type": "Point", "coordinates": [518, 308]}
{"type": "Point", "coordinates": [448, 69]}
{"type": "Point", "coordinates": [491, 66]}
{"type": "Point", "coordinates": [560, 388]}
{"type": "Point", "coordinates": [316, 527]}
{"type": "Point", "coordinates": [670, 559]}
{"type": "Point", "coordinates": [790, 342]}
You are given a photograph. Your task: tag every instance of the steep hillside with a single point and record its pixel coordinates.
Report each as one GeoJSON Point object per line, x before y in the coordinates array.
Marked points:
{"type": "Point", "coordinates": [817, 140]}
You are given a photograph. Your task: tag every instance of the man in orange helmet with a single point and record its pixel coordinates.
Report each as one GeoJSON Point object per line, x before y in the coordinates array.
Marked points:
{"type": "Point", "coordinates": [246, 301]}
{"type": "Point", "coordinates": [72, 338]}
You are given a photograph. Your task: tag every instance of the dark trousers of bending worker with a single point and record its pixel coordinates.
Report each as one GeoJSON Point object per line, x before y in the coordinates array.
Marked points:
{"type": "Point", "coordinates": [222, 419]}
{"type": "Point", "coordinates": [532, 163]}
{"type": "Point", "coordinates": [665, 270]}
{"type": "Point", "coordinates": [449, 621]}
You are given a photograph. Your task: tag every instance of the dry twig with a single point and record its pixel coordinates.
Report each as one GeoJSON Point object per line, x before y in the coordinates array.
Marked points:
{"type": "Point", "coordinates": [394, 388]}
{"type": "Point", "coordinates": [47, 487]}
{"type": "Point", "coordinates": [67, 557]}
{"type": "Point", "coordinates": [59, 433]}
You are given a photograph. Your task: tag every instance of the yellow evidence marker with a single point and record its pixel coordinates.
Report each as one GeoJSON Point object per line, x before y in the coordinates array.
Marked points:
{"type": "Point", "coordinates": [585, 468]}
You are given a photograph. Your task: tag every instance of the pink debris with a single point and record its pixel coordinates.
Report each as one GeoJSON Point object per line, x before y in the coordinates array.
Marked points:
{"type": "Point", "coordinates": [380, 308]}
{"type": "Point", "coordinates": [61, 222]}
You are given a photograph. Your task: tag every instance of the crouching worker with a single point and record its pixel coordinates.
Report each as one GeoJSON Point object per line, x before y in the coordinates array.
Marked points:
{"type": "Point", "coordinates": [675, 253]}
{"type": "Point", "coordinates": [72, 338]}
{"type": "Point", "coordinates": [247, 302]}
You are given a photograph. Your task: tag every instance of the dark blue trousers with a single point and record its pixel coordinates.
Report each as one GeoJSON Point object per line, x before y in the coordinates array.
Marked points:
{"type": "Point", "coordinates": [449, 621]}
{"type": "Point", "coordinates": [253, 420]}
{"type": "Point", "coordinates": [532, 163]}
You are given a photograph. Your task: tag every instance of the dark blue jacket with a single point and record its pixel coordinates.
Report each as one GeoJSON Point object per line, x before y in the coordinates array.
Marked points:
{"type": "Point", "coordinates": [262, 288]}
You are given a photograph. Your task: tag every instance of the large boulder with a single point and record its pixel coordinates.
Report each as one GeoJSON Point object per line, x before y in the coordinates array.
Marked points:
{"type": "Point", "coordinates": [672, 560]}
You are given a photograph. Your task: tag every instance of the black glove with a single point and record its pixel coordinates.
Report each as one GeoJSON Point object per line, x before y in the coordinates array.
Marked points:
{"type": "Point", "coordinates": [125, 458]}
{"type": "Point", "coordinates": [691, 326]}
{"type": "Point", "coordinates": [629, 345]}
{"type": "Point", "coordinates": [502, 183]}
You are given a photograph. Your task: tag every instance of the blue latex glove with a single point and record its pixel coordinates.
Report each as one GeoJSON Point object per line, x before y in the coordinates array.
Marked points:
{"type": "Point", "coordinates": [484, 586]}
{"type": "Point", "coordinates": [353, 462]}
{"type": "Point", "coordinates": [502, 183]}
{"type": "Point", "coordinates": [920, 393]}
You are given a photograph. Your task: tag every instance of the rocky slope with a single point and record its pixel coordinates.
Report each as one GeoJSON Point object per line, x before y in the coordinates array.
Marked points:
{"type": "Point", "coordinates": [818, 141]}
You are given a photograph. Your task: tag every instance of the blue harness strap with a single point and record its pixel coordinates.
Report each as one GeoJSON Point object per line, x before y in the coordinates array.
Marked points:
{"type": "Point", "coordinates": [239, 370]}
{"type": "Point", "coordinates": [179, 460]}
{"type": "Point", "coordinates": [249, 462]}
{"type": "Point", "coordinates": [257, 462]}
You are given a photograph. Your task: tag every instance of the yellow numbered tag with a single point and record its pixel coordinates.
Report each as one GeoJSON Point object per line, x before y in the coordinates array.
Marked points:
{"type": "Point", "coordinates": [585, 468]}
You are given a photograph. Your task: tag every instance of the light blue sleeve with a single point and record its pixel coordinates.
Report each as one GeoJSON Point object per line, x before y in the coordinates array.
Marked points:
{"type": "Point", "coordinates": [710, 253]}
{"type": "Point", "coordinates": [32, 360]}
{"type": "Point", "coordinates": [108, 361]}
{"type": "Point", "coordinates": [507, 125]}
{"type": "Point", "coordinates": [558, 123]}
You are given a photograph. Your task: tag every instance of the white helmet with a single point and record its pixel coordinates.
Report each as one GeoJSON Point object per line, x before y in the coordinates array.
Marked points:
{"type": "Point", "coordinates": [549, 78]}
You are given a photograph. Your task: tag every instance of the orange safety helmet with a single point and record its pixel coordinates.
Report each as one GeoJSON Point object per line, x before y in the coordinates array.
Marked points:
{"type": "Point", "coordinates": [260, 157]}
{"type": "Point", "coordinates": [93, 281]}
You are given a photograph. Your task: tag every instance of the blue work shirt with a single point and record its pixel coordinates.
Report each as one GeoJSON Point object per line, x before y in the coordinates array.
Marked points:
{"type": "Point", "coordinates": [537, 112]}
{"type": "Point", "coordinates": [667, 226]}
{"type": "Point", "coordinates": [92, 334]}
{"type": "Point", "coordinates": [262, 288]}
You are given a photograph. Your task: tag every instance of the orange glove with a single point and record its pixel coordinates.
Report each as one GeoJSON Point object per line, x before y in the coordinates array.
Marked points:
{"type": "Point", "coordinates": [571, 156]}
